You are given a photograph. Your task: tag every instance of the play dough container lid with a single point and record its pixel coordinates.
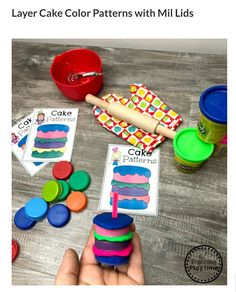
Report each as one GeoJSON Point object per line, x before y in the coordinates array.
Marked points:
{"type": "Point", "coordinates": [73, 62]}
{"type": "Point", "coordinates": [213, 104]}
{"type": "Point", "coordinates": [189, 147]}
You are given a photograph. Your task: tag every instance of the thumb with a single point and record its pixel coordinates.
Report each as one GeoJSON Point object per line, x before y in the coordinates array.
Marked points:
{"type": "Point", "coordinates": [69, 269]}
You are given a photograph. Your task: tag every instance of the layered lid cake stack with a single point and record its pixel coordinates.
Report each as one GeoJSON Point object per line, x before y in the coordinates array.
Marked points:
{"type": "Point", "coordinates": [113, 236]}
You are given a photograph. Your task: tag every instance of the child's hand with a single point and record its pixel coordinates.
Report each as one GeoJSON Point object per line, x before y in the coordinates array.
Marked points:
{"type": "Point", "coordinates": [88, 271]}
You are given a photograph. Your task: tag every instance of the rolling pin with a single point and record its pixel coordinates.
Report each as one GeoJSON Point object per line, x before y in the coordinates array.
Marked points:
{"type": "Point", "coordinates": [130, 116]}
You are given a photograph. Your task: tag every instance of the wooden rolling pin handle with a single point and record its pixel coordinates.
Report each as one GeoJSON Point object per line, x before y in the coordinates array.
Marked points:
{"type": "Point", "coordinates": [165, 132]}
{"type": "Point", "coordinates": [132, 117]}
{"type": "Point", "coordinates": [97, 101]}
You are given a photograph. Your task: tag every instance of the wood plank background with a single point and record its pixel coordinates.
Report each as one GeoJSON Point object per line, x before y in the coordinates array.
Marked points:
{"type": "Point", "coordinates": [192, 208]}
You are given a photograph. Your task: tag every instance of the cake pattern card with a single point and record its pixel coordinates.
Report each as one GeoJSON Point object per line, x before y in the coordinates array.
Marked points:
{"type": "Point", "coordinates": [133, 174]}
{"type": "Point", "coordinates": [52, 134]}
{"type": "Point", "coordinates": [19, 137]}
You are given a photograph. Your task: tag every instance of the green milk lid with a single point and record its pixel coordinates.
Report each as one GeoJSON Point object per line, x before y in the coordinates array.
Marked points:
{"type": "Point", "coordinates": [65, 190]}
{"type": "Point", "coordinates": [79, 180]}
{"type": "Point", "coordinates": [188, 146]}
{"type": "Point", "coordinates": [51, 191]}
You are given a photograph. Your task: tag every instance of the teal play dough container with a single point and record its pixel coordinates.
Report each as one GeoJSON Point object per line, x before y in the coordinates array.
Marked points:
{"type": "Point", "coordinates": [190, 151]}
{"type": "Point", "coordinates": [212, 126]}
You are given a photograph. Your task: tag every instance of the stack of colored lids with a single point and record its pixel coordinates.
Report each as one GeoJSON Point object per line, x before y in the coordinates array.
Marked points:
{"type": "Point", "coordinates": [112, 238]}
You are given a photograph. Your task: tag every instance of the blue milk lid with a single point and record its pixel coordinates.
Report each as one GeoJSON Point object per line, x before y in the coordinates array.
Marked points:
{"type": "Point", "coordinates": [58, 215]}
{"type": "Point", "coordinates": [213, 103]}
{"type": "Point", "coordinates": [106, 221]}
{"type": "Point", "coordinates": [22, 221]}
{"type": "Point", "coordinates": [112, 260]}
{"type": "Point", "coordinates": [36, 209]}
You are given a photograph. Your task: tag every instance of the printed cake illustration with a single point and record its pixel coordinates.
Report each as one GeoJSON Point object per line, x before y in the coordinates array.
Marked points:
{"type": "Point", "coordinates": [132, 185]}
{"type": "Point", "coordinates": [21, 145]}
{"type": "Point", "coordinates": [22, 142]}
{"type": "Point", "coordinates": [50, 141]}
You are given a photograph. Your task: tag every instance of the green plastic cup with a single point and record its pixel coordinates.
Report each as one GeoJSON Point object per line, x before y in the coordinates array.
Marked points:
{"type": "Point", "coordinates": [212, 126]}
{"type": "Point", "coordinates": [190, 151]}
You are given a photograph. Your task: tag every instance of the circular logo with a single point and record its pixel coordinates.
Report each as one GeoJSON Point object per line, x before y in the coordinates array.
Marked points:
{"type": "Point", "coordinates": [203, 264]}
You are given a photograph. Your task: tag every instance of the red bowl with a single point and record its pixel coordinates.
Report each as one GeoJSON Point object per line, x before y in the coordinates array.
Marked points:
{"type": "Point", "coordinates": [77, 61]}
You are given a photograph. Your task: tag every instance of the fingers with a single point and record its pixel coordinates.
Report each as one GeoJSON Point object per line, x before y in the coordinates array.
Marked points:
{"type": "Point", "coordinates": [69, 269]}
{"type": "Point", "coordinates": [133, 228]}
{"type": "Point", "coordinates": [135, 266]}
{"type": "Point", "coordinates": [91, 239]}
{"type": "Point", "coordinates": [87, 257]}
{"type": "Point", "coordinates": [124, 268]}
